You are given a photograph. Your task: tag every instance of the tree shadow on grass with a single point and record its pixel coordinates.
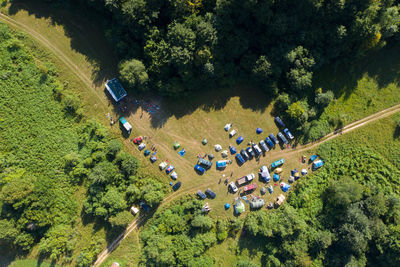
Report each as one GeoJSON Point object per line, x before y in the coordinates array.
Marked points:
{"type": "Point", "coordinates": [84, 30]}
{"type": "Point", "coordinates": [342, 77]}
{"type": "Point", "coordinates": [249, 98]}
{"type": "Point", "coordinates": [250, 244]}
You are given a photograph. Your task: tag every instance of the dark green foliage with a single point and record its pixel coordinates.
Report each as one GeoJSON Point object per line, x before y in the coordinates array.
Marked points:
{"type": "Point", "coordinates": [185, 45]}
{"type": "Point", "coordinates": [204, 223]}
{"type": "Point", "coordinates": [179, 235]}
{"type": "Point", "coordinates": [58, 241]}
{"type": "Point", "coordinates": [133, 74]}
{"type": "Point", "coordinates": [35, 137]}
{"type": "Point", "coordinates": [323, 99]}
{"type": "Point", "coordinates": [89, 254]}
{"type": "Point", "coordinates": [246, 263]}
{"type": "Point", "coordinates": [114, 146]}
{"type": "Point", "coordinates": [346, 213]}
{"type": "Point", "coordinates": [127, 163]}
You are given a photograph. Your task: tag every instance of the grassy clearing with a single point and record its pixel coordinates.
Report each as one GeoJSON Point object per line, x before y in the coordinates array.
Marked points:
{"type": "Point", "coordinates": [363, 87]}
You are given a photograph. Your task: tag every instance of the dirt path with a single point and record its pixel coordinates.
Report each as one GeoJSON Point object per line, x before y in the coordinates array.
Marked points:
{"type": "Point", "coordinates": [136, 223]}
{"type": "Point", "coordinates": [57, 52]}
{"type": "Point", "coordinates": [352, 126]}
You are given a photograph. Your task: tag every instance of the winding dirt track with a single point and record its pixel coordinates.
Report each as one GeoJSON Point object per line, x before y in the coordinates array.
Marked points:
{"type": "Point", "coordinates": [136, 223]}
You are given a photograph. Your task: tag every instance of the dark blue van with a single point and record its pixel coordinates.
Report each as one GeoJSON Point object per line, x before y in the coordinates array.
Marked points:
{"type": "Point", "coordinates": [279, 122]}
{"type": "Point", "coordinates": [273, 138]}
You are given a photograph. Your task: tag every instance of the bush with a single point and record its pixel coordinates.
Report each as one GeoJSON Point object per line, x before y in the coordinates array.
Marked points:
{"type": "Point", "coordinates": [323, 99]}
{"type": "Point", "coordinates": [71, 104]}
{"type": "Point", "coordinates": [297, 112]}
{"type": "Point", "coordinates": [127, 163]}
{"type": "Point", "coordinates": [282, 102]}
{"type": "Point", "coordinates": [133, 74]}
{"type": "Point", "coordinates": [57, 242]}
{"type": "Point", "coordinates": [318, 129]}
{"type": "Point", "coordinates": [114, 146]}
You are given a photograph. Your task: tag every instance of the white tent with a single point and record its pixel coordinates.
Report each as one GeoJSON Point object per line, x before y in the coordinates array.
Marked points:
{"type": "Point", "coordinates": [232, 133]}
{"type": "Point", "coordinates": [217, 147]}
{"type": "Point", "coordinates": [224, 153]}
{"type": "Point", "coordinates": [163, 165]}
{"type": "Point", "coordinates": [134, 210]}
{"type": "Point", "coordinates": [228, 126]}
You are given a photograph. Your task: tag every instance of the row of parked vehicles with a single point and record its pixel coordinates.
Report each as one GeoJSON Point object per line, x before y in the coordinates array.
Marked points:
{"type": "Point", "coordinates": [208, 193]}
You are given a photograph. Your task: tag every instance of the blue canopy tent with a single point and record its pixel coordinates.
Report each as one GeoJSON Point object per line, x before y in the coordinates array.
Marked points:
{"type": "Point", "coordinates": [239, 140]}
{"type": "Point", "coordinates": [227, 206]}
{"type": "Point", "coordinates": [182, 152]}
{"type": "Point", "coordinates": [115, 89]}
{"type": "Point", "coordinates": [285, 187]}
{"type": "Point", "coordinates": [259, 130]}
{"type": "Point", "coordinates": [313, 157]}
{"type": "Point", "coordinates": [232, 149]}
{"type": "Point", "coordinates": [276, 177]}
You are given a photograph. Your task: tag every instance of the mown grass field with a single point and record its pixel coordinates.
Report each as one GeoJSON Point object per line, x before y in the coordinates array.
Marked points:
{"type": "Point", "coordinates": [202, 116]}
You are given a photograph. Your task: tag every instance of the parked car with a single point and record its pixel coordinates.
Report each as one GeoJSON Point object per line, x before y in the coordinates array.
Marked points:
{"type": "Point", "coordinates": [199, 169]}
{"type": "Point", "coordinates": [233, 187]}
{"type": "Point", "coordinates": [141, 146]}
{"type": "Point", "coordinates": [249, 187]}
{"type": "Point", "coordinates": [206, 163]}
{"type": "Point", "coordinates": [288, 134]}
{"type": "Point", "coordinates": [138, 140]}
{"type": "Point", "coordinates": [250, 152]}
{"type": "Point", "coordinates": [283, 138]}
{"type": "Point", "coordinates": [250, 176]}
{"type": "Point", "coordinates": [201, 195]}
{"type": "Point", "coordinates": [169, 169]}
{"type": "Point", "coordinates": [176, 186]}
{"type": "Point", "coordinates": [269, 142]}
{"type": "Point", "coordinates": [240, 159]}
{"type": "Point", "coordinates": [244, 154]}
{"type": "Point", "coordinates": [264, 146]}
{"type": "Point", "coordinates": [210, 193]}
{"type": "Point", "coordinates": [277, 163]}
{"type": "Point", "coordinates": [279, 122]}
{"type": "Point", "coordinates": [257, 150]}
{"type": "Point", "coordinates": [273, 138]}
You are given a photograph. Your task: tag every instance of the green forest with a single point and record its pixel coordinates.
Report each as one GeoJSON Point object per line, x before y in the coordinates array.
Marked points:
{"type": "Point", "coordinates": [48, 152]}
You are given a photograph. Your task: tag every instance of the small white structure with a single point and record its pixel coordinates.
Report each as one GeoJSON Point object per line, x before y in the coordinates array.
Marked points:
{"type": "Point", "coordinates": [174, 175]}
{"type": "Point", "coordinates": [232, 133]}
{"type": "Point", "coordinates": [304, 172]}
{"type": "Point", "coordinates": [206, 208]}
{"type": "Point", "coordinates": [217, 147]}
{"type": "Point", "coordinates": [163, 165]}
{"type": "Point", "coordinates": [134, 210]}
{"type": "Point", "coordinates": [279, 201]}
{"type": "Point", "coordinates": [224, 153]}
{"type": "Point", "coordinates": [228, 126]}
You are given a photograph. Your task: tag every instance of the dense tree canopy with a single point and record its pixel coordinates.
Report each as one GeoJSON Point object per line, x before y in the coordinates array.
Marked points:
{"type": "Point", "coordinates": [178, 46]}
